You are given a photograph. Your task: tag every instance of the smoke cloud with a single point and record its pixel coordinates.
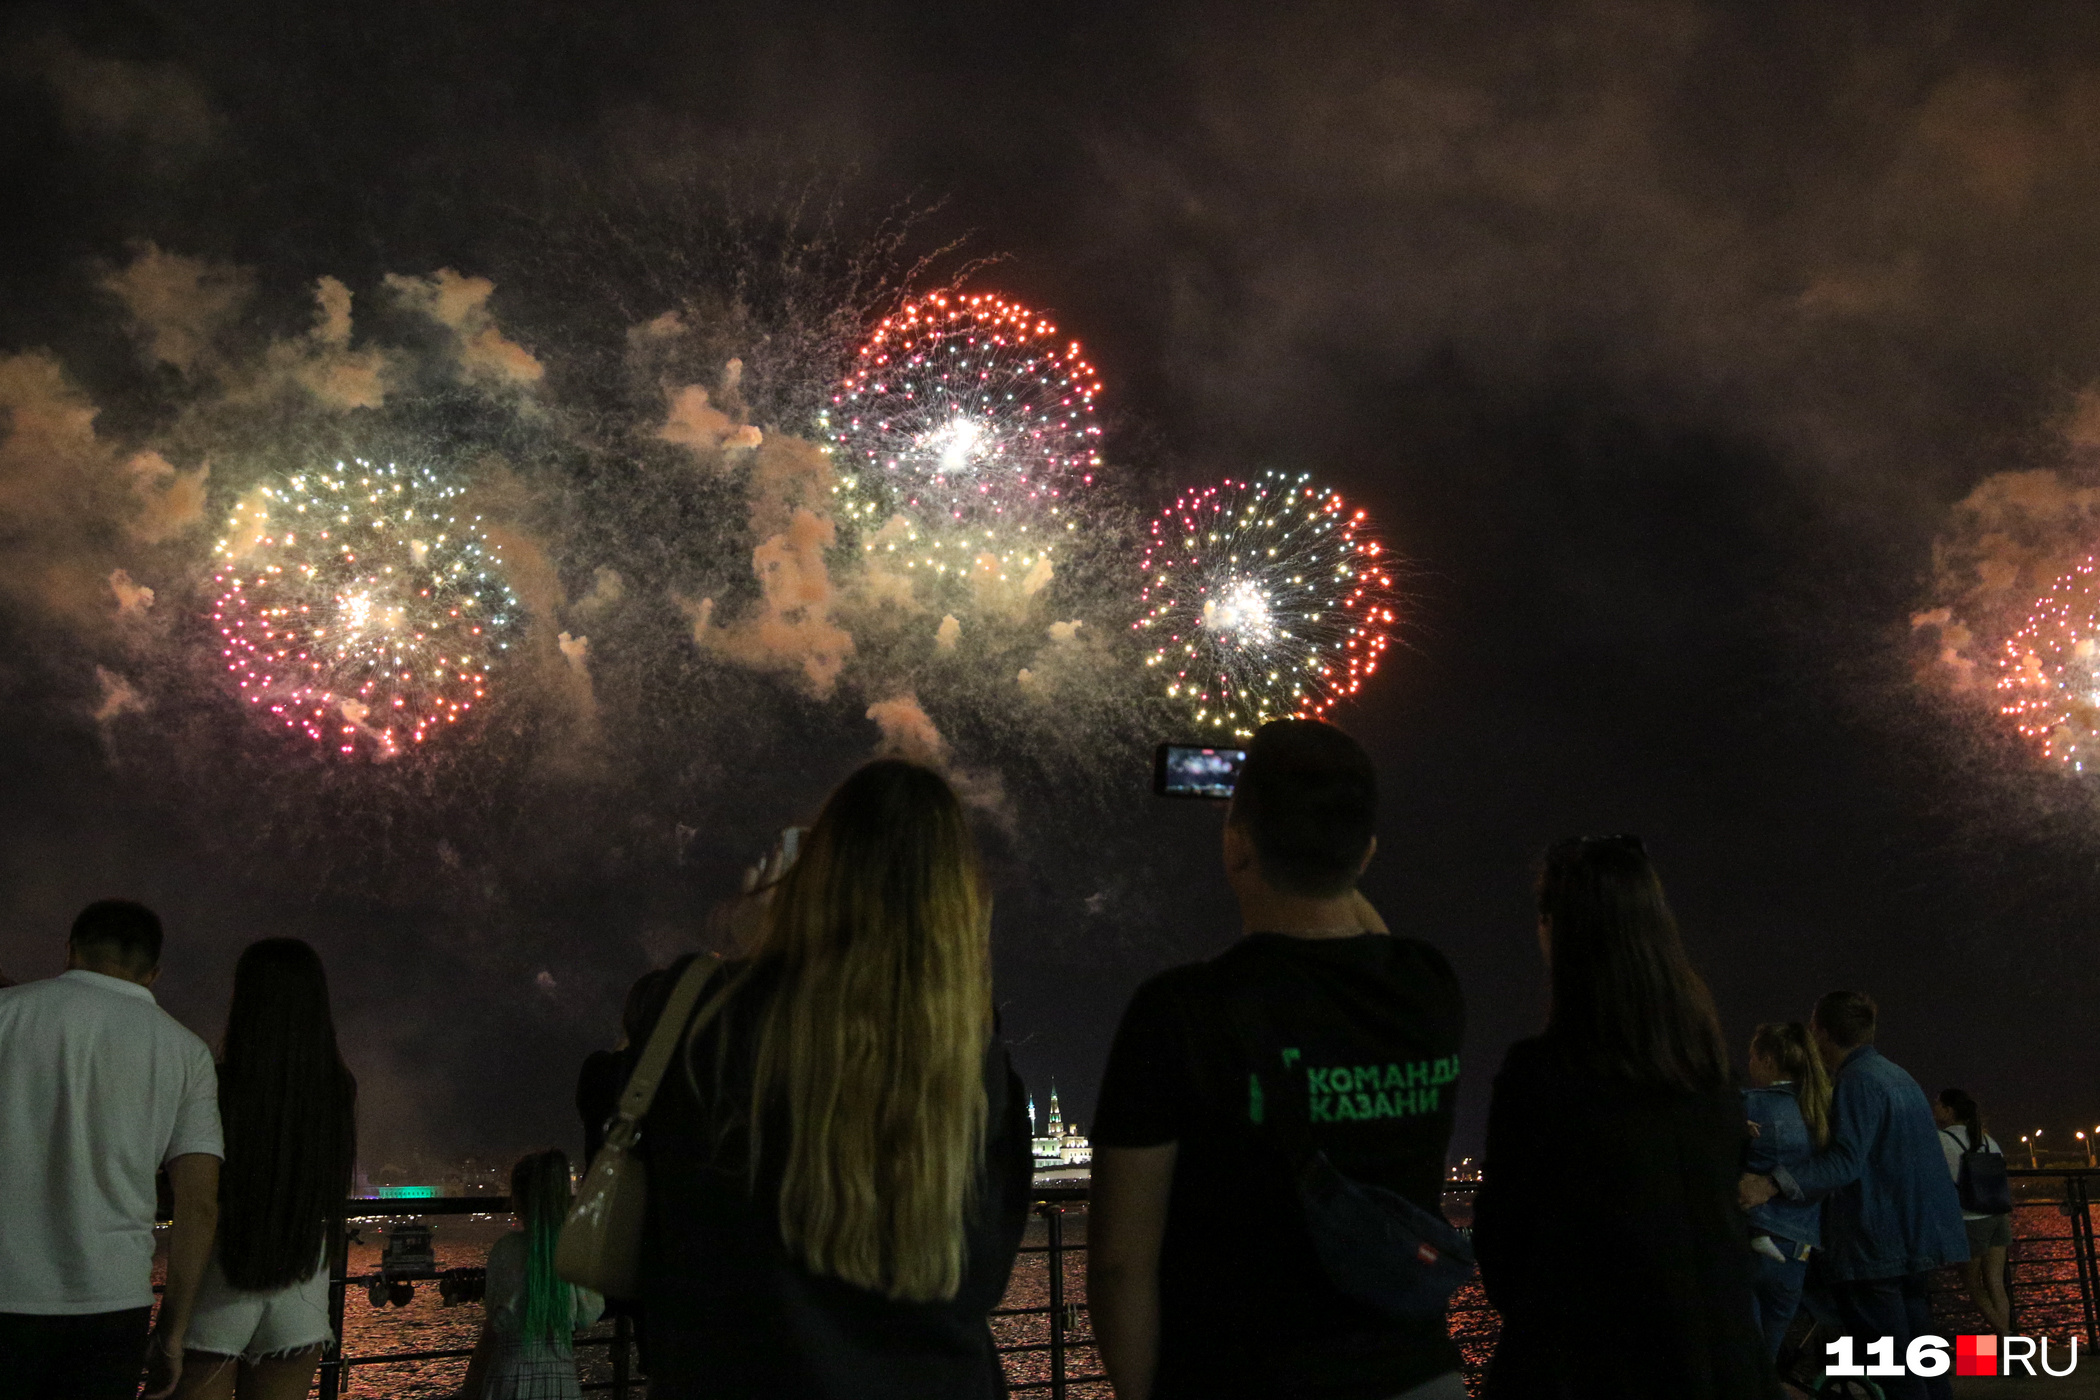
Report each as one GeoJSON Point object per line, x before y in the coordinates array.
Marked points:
{"type": "Point", "coordinates": [460, 304]}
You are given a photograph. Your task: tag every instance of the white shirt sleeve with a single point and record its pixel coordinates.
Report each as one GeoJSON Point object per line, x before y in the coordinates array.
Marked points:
{"type": "Point", "coordinates": [197, 1127]}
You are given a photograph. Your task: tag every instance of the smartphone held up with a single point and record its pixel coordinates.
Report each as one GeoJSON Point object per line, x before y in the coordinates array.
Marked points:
{"type": "Point", "coordinates": [1196, 770]}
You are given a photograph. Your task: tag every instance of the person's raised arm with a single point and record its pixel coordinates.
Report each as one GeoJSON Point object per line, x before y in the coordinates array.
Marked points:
{"type": "Point", "coordinates": [1128, 1210]}
{"type": "Point", "coordinates": [194, 1180]}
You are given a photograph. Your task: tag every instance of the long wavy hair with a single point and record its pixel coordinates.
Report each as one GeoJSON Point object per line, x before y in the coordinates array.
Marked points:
{"type": "Point", "coordinates": [289, 1107]}
{"type": "Point", "coordinates": [539, 1197]}
{"type": "Point", "coordinates": [874, 1042]}
{"type": "Point", "coordinates": [1792, 1051]}
{"type": "Point", "coordinates": [1627, 1002]}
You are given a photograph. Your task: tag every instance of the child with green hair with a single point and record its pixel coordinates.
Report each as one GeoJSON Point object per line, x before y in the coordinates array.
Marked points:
{"type": "Point", "coordinates": [530, 1317]}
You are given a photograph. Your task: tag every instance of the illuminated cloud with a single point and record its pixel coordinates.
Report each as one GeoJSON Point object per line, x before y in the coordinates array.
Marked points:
{"type": "Point", "coordinates": [171, 502]}
{"type": "Point", "coordinates": [321, 361]}
{"type": "Point", "coordinates": [792, 629]}
{"type": "Point", "coordinates": [460, 304]}
{"type": "Point", "coordinates": [133, 599]}
{"type": "Point", "coordinates": [118, 697]}
{"type": "Point", "coordinates": [180, 306]}
{"type": "Point", "coordinates": [607, 589]}
{"type": "Point", "coordinates": [907, 732]}
{"type": "Point", "coordinates": [696, 423]}
{"type": "Point", "coordinates": [576, 651]}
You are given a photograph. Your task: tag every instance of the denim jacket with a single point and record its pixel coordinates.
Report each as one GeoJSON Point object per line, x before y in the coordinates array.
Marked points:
{"type": "Point", "coordinates": [1782, 1141]}
{"type": "Point", "coordinates": [1889, 1208]}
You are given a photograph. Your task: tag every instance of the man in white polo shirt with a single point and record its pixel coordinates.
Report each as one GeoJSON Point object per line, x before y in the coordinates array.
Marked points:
{"type": "Point", "coordinates": [100, 1088]}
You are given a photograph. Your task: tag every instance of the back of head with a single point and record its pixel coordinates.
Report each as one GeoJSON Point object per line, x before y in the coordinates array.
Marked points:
{"type": "Point", "coordinates": [1848, 1018]}
{"type": "Point", "coordinates": [1792, 1051]}
{"type": "Point", "coordinates": [634, 1011]}
{"type": "Point", "coordinates": [875, 1041]}
{"type": "Point", "coordinates": [119, 934]}
{"type": "Point", "coordinates": [1626, 1000]}
{"type": "Point", "coordinates": [289, 1107]}
{"type": "Point", "coordinates": [1966, 1112]}
{"type": "Point", "coordinates": [539, 1197]}
{"type": "Point", "coordinates": [1307, 797]}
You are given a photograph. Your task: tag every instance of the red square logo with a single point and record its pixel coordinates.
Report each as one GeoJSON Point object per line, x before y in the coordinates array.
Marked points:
{"type": "Point", "coordinates": [1976, 1356]}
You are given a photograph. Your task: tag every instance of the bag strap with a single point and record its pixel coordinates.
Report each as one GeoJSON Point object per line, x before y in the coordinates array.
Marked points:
{"type": "Point", "coordinates": [663, 1042]}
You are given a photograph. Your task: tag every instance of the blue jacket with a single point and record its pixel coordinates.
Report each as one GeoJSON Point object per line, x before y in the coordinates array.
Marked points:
{"type": "Point", "coordinates": [1889, 1207]}
{"type": "Point", "coordinates": [1782, 1141]}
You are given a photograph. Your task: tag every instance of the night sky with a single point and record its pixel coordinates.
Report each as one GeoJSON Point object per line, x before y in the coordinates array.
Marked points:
{"type": "Point", "coordinates": [1665, 342]}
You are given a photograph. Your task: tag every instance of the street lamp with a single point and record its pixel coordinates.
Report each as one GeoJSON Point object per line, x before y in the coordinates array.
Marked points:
{"type": "Point", "coordinates": [2088, 1146]}
{"type": "Point", "coordinates": [2028, 1143]}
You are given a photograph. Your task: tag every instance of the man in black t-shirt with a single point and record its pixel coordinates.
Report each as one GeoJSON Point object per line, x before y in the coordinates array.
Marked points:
{"type": "Point", "coordinates": [1318, 1030]}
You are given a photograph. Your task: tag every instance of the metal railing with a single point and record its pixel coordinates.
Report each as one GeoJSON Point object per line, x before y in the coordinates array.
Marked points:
{"type": "Point", "coordinates": [1064, 1332]}
{"type": "Point", "coordinates": [335, 1365]}
{"type": "Point", "coordinates": [2036, 1269]}
{"type": "Point", "coordinates": [1051, 1203]}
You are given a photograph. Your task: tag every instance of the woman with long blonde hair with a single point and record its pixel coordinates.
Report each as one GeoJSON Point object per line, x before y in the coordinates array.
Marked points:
{"type": "Point", "coordinates": [839, 1173]}
{"type": "Point", "coordinates": [1788, 1100]}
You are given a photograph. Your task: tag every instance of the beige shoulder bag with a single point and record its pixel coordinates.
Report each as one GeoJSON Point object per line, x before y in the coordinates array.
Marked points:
{"type": "Point", "coordinates": [601, 1239]}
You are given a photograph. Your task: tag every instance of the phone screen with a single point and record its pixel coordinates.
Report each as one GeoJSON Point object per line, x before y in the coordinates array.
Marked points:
{"type": "Point", "coordinates": [1195, 770]}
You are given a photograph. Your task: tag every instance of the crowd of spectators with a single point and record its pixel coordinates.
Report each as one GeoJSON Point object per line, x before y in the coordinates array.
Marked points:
{"type": "Point", "coordinates": [839, 1158]}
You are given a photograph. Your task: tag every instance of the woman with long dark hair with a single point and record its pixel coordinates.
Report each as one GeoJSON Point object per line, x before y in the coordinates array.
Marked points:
{"type": "Point", "coordinates": [839, 1172]}
{"type": "Point", "coordinates": [289, 1106]}
{"type": "Point", "coordinates": [1606, 1225]}
{"type": "Point", "coordinates": [1990, 1234]}
{"type": "Point", "coordinates": [530, 1317]}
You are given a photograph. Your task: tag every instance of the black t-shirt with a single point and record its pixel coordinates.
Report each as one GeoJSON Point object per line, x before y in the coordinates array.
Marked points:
{"type": "Point", "coordinates": [1359, 1038]}
{"type": "Point", "coordinates": [733, 1316]}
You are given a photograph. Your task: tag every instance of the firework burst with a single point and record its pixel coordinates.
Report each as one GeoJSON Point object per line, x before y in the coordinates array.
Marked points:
{"type": "Point", "coordinates": [964, 409]}
{"type": "Point", "coordinates": [356, 607]}
{"type": "Point", "coordinates": [2049, 671]}
{"type": "Point", "coordinates": [1262, 600]}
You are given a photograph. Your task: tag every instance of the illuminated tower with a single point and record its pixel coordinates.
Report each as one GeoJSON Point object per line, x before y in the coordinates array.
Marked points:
{"type": "Point", "coordinates": [1057, 1120]}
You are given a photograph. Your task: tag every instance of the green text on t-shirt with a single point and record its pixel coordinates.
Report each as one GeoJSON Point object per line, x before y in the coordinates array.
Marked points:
{"type": "Point", "coordinates": [1359, 1093]}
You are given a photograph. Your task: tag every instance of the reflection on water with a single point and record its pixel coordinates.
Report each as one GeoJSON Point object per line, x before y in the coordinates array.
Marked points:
{"type": "Point", "coordinates": [2045, 1276]}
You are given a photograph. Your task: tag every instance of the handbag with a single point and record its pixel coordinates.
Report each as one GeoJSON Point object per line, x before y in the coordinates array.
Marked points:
{"type": "Point", "coordinates": [1376, 1246]}
{"type": "Point", "coordinates": [601, 1239]}
{"type": "Point", "coordinates": [1982, 1184]}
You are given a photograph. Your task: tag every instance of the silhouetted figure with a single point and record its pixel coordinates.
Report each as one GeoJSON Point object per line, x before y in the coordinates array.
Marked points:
{"type": "Point", "coordinates": [290, 1110]}
{"type": "Point", "coordinates": [1789, 1102]}
{"type": "Point", "coordinates": [530, 1317]}
{"type": "Point", "coordinates": [839, 1165]}
{"type": "Point", "coordinates": [100, 1089]}
{"type": "Point", "coordinates": [1990, 1231]}
{"type": "Point", "coordinates": [604, 1073]}
{"type": "Point", "coordinates": [1890, 1214]}
{"type": "Point", "coordinates": [1318, 1032]}
{"type": "Point", "coordinates": [1606, 1223]}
